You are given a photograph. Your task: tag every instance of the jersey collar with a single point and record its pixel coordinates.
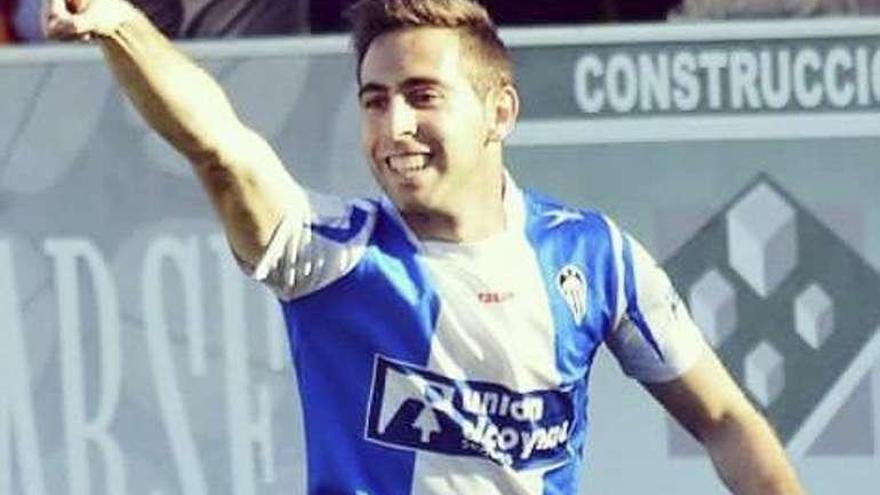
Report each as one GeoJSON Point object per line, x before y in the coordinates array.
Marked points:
{"type": "Point", "coordinates": [514, 211]}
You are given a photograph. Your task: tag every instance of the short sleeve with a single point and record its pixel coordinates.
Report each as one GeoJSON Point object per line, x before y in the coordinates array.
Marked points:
{"type": "Point", "coordinates": [655, 339]}
{"type": "Point", "coordinates": [319, 240]}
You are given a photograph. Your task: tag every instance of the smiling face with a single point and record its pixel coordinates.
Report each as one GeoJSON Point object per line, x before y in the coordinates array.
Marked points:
{"type": "Point", "coordinates": [431, 139]}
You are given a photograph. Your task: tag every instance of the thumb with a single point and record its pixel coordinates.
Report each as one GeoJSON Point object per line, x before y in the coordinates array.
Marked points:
{"type": "Point", "coordinates": [55, 19]}
{"type": "Point", "coordinates": [76, 6]}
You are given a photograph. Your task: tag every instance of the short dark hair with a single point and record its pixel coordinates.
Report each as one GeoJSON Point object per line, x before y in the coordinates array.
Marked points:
{"type": "Point", "coordinates": [491, 66]}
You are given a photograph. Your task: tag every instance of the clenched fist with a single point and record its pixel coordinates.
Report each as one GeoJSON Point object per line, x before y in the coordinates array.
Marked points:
{"type": "Point", "coordinates": [83, 19]}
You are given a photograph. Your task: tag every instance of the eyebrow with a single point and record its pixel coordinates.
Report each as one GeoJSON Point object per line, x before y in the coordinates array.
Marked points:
{"type": "Point", "coordinates": [372, 87]}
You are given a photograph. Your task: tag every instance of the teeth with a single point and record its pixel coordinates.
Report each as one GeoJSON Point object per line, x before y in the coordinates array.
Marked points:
{"type": "Point", "coordinates": [407, 163]}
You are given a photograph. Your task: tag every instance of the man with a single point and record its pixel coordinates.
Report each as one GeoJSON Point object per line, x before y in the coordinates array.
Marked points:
{"type": "Point", "coordinates": [443, 334]}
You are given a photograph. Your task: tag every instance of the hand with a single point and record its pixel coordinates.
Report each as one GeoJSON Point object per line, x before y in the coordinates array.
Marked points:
{"type": "Point", "coordinates": [83, 19]}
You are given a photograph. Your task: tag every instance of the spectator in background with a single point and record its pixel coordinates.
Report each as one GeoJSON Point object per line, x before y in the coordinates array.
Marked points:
{"type": "Point", "coordinates": [744, 9]}
{"type": "Point", "coordinates": [578, 11]}
{"type": "Point", "coordinates": [325, 15]}
{"type": "Point", "coordinates": [194, 18]}
{"type": "Point", "coordinates": [5, 31]}
{"type": "Point", "coordinates": [23, 17]}
{"type": "Point", "coordinates": [227, 18]}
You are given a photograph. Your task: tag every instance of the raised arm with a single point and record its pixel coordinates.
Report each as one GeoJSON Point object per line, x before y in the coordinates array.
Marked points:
{"type": "Point", "coordinates": [245, 179]}
{"type": "Point", "coordinates": [743, 448]}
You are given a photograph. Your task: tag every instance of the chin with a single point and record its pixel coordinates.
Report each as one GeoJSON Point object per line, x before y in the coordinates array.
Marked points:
{"type": "Point", "coordinates": [410, 203]}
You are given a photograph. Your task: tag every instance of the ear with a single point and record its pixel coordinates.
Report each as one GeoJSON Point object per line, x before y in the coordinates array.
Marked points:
{"type": "Point", "coordinates": [503, 109]}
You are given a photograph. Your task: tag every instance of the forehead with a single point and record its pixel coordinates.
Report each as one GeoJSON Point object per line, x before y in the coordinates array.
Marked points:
{"type": "Point", "coordinates": [431, 53]}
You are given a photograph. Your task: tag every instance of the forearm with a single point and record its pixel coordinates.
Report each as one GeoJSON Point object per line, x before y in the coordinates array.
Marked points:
{"type": "Point", "coordinates": [246, 181]}
{"type": "Point", "coordinates": [744, 449]}
{"type": "Point", "coordinates": [244, 178]}
{"type": "Point", "coordinates": [749, 458]}
{"type": "Point", "coordinates": [177, 98]}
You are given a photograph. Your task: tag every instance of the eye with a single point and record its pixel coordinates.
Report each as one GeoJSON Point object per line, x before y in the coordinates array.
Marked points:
{"type": "Point", "coordinates": [424, 97]}
{"type": "Point", "coordinates": [373, 102]}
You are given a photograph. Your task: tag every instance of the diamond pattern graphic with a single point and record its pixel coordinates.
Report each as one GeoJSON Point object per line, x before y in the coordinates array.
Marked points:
{"type": "Point", "coordinates": [796, 338]}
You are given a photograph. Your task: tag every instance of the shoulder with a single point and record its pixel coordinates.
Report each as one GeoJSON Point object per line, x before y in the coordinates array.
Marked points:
{"type": "Point", "coordinates": [341, 220]}
{"type": "Point", "coordinates": [327, 208]}
{"type": "Point", "coordinates": [316, 244]}
{"type": "Point", "coordinates": [548, 216]}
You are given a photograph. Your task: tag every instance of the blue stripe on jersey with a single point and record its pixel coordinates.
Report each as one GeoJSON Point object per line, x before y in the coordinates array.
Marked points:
{"type": "Point", "coordinates": [565, 479]}
{"type": "Point", "coordinates": [585, 242]}
{"type": "Point", "coordinates": [334, 346]}
{"type": "Point", "coordinates": [632, 300]}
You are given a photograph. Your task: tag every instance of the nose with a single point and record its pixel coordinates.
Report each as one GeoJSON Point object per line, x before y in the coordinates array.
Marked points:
{"type": "Point", "coordinates": [401, 118]}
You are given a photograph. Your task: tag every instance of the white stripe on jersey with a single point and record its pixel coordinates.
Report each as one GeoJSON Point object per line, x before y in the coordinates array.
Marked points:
{"type": "Point", "coordinates": [678, 339]}
{"type": "Point", "coordinates": [479, 340]}
{"type": "Point", "coordinates": [617, 247]}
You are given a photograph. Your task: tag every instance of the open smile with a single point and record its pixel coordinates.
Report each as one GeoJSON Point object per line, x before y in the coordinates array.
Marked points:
{"type": "Point", "coordinates": [407, 163]}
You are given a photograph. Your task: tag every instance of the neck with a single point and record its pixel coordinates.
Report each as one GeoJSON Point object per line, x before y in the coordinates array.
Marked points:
{"type": "Point", "coordinates": [474, 218]}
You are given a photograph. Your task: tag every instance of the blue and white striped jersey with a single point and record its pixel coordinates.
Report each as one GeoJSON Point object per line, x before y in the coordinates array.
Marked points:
{"type": "Point", "coordinates": [438, 368]}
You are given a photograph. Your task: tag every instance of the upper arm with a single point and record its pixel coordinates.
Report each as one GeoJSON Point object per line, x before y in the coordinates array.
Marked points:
{"type": "Point", "coordinates": [657, 342]}
{"type": "Point", "coordinates": [249, 188]}
{"type": "Point", "coordinates": [744, 449]}
{"type": "Point", "coordinates": [248, 185]}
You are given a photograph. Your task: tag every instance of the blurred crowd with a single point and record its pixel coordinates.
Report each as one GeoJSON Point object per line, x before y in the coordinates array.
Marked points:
{"type": "Point", "coordinates": [20, 19]}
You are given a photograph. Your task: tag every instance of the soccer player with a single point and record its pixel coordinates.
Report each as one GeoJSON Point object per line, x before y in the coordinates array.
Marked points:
{"type": "Point", "coordinates": [442, 334]}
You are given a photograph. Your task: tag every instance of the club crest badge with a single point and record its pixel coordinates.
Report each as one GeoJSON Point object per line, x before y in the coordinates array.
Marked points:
{"type": "Point", "coordinates": [573, 285]}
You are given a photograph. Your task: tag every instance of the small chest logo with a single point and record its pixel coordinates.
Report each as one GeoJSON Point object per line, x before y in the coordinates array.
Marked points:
{"type": "Point", "coordinates": [573, 285]}
{"type": "Point", "coordinates": [494, 297]}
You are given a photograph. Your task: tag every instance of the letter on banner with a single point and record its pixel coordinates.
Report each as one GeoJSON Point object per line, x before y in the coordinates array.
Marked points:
{"type": "Point", "coordinates": [276, 333]}
{"type": "Point", "coordinates": [243, 429]}
{"type": "Point", "coordinates": [621, 83]}
{"type": "Point", "coordinates": [79, 430]}
{"type": "Point", "coordinates": [686, 90]}
{"type": "Point", "coordinates": [861, 70]}
{"type": "Point", "coordinates": [16, 407]}
{"type": "Point", "coordinates": [875, 75]}
{"type": "Point", "coordinates": [839, 61]}
{"type": "Point", "coordinates": [590, 98]}
{"type": "Point", "coordinates": [713, 62]}
{"type": "Point", "coordinates": [775, 78]}
{"type": "Point", "coordinates": [743, 67]}
{"type": "Point", "coordinates": [807, 89]}
{"type": "Point", "coordinates": [184, 255]}
{"type": "Point", "coordinates": [655, 84]}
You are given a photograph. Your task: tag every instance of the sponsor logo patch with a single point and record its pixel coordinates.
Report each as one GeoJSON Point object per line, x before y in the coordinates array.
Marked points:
{"type": "Point", "coordinates": [415, 409]}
